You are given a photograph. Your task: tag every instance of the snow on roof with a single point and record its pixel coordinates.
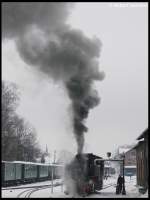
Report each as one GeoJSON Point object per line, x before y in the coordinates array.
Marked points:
{"type": "Point", "coordinates": [130, 166]}
{"type": "Point", "coordinates": [123, 150]}
{"type": "Point", "coordinates": [31, 163]}
{"type": "Point", "coordinates": [142, 135]}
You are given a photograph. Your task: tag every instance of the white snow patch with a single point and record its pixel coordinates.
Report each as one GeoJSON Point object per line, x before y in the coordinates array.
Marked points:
{"type": "Point", "coordinates": [58, 192]}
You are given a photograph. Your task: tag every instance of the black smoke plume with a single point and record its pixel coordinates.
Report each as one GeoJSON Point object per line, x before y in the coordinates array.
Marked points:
{"type": "Point", "coordinates": [66, 55]}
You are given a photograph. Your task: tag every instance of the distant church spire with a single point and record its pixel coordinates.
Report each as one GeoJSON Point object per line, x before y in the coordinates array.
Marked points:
{"type": "Point", "coordinates": [46, 150]}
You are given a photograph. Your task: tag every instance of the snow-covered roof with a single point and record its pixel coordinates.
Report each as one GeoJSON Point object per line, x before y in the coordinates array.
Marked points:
{"type": "Point", "coordinates": [143, 134]}
{"type": "Point", "coordinates": [130, 166]}
{"type": "Point", "coordinates": [123, 150]}
{"type": "Point", "coordinates": [31, 163]}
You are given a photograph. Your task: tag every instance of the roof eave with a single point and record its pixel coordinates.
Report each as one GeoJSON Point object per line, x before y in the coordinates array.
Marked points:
{"type": "Point", "coordinates": [142, 135]}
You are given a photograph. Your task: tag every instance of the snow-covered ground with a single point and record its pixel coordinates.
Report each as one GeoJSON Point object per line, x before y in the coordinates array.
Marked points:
{"type": "Point", "coordinates": [22, 190]}
{"type": "Point", "coordinates": [34, 184]}
{"type": "Point", "coordinates": [110, 192]}
{"type": "Point", "coordinates": [58, 191]}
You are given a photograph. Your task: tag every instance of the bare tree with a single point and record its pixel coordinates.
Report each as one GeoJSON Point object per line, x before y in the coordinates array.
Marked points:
{"type": "Point", "coordinates": [19, 141]}
{"type": "Point", "coordinates": [9, 104]}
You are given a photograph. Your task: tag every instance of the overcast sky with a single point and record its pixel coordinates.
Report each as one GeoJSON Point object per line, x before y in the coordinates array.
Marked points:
{"type": "Point", "coordinates": [123, 112]}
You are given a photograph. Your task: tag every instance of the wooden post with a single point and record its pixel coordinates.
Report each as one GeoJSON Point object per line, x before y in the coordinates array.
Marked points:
{"type": "Point", "coordinates": [52, 180]}
{"type": "Point", "coordinates": [62, 186]}
{"type": "Point", "coordinates": [123, 189]}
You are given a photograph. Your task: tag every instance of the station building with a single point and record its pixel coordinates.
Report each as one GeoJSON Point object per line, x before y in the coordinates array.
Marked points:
{"type": "Point", "coordinates": [142, 159]}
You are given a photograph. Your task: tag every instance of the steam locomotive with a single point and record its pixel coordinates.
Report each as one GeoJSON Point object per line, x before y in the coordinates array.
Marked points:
{"type": "Point", "coordinates": [85, 173]}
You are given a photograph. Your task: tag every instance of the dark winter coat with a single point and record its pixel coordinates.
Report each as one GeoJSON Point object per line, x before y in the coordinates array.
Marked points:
{"type": "Point", "coordinates": [120, 180]}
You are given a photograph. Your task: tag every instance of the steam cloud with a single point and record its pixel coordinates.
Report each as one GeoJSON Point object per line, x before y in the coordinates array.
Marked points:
{"type": "Point", "coordinates": [45, 41]}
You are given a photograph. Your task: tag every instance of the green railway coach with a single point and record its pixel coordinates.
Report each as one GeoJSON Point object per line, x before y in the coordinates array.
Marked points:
{"type": "Point", "coordinates": [11, 173]}
{"type": "Point", "coordinates": [18, 172]}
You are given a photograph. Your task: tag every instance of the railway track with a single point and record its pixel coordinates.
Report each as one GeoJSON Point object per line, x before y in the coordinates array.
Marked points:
{"type": "Point", "coordinates": [29, 190]}
{"type": "Point", "coordinates": [27, 193]}
{"type": "Point", "coordinates": [33, 186]}
{"type": "Point", "coordinates": [26, 187]}
{"type": "Point", "coordinates": [109, 185]}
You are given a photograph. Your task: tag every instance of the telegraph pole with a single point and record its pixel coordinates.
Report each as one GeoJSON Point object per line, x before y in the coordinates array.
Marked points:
{"type": "Point", "coordinates": [123, 189]}
{"type": "Point", "coordinates": [52, 177]}
{"type": "Point", "coordinates": [108, 155]}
